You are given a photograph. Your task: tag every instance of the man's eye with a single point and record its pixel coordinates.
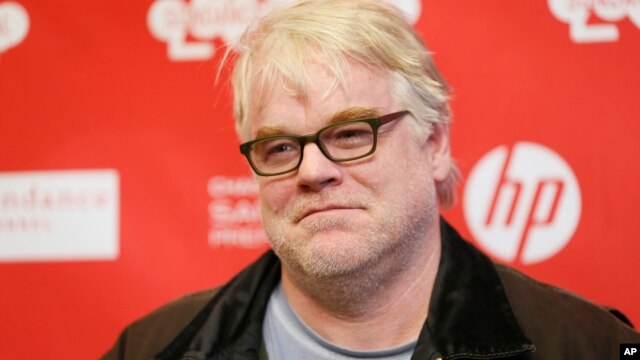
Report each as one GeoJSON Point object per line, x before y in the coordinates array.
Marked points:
{"type": "Point", "coordinates": [346, 134]}
{"type": "Point", "coordinates": [354, 137]}
{"type": "Point", "coordinates": [280, 148]}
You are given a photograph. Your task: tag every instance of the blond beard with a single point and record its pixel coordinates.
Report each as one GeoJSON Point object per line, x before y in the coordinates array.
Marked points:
{"type": "Point", "coordinates": [338, 272]}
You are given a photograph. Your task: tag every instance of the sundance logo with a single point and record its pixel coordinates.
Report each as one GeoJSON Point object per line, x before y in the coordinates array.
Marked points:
{"type": "Point", "coordinates": [576, 13]}
{"type": "Point", "coordinates": [522, 203]}
{"type": "Point", "coordinates": [14, 25]}
{"type": "Point", "coordinates": [189, 28]}
{"type": "Point", "coordinates": [234, 212]}
{"type": "Point", "coordinates": [59, 215]}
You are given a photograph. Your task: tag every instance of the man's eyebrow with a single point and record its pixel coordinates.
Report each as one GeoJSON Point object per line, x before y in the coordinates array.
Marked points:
{"type": "Point", "coordinates": [268, 131]}
{"type": "Point", "coordinates": [343, 115]}
{"type": "Point", "coordinates": [353, 113]}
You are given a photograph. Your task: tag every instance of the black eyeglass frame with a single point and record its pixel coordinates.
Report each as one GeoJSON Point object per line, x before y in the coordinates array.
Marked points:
{"type": "Point", "coordinates": [375, 123]}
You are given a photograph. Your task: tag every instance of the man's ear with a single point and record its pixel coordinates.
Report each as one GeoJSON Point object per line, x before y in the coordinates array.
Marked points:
{"type": "Point", "coordinates": [438, 151]}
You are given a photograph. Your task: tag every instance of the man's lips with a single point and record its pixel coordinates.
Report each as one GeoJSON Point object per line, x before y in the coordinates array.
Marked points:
{"type": "Point", "coordinates": [316, 210]}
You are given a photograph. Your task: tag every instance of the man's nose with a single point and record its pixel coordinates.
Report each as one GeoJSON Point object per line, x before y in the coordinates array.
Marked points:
{"type": "Point", "coordinates": [316, 171]}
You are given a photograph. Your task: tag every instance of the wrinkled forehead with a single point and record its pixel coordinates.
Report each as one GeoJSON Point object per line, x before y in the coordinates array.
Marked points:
{"type": "Point", "coordinates": [311, 85]}
{"type": "Point", "coordinates": [294, 80]}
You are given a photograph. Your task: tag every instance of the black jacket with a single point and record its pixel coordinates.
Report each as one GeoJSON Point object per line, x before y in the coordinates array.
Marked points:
{"type": "Point", "coordinates": [478, 310]}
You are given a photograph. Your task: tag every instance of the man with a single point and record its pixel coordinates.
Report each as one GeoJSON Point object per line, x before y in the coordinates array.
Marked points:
{"type": "Point", "coordinates": [344, 119]}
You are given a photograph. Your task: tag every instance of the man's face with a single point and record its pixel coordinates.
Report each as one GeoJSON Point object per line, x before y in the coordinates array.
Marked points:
{"type": "Point", "coordinates": [328, 219]}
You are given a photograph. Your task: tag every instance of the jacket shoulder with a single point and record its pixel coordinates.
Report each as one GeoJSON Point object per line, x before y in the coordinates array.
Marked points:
{"type": "Point", "coordinates": [558, 321]}
{"type": "Point", "coordinates": [149, 335]}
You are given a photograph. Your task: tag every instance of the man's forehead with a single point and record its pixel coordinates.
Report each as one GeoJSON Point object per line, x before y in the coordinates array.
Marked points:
{"type": "Point", "coordinates": [318, 97]}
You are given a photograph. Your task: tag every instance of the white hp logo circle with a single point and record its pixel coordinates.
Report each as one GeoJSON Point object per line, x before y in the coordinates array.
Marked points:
{"type": "Point", "coordinates": [522, 204]}
{"type": "Point", "coordinates": [14, 24]}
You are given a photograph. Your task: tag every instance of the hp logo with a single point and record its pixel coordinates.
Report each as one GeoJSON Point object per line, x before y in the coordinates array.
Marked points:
{"type": "Point", "coordinates": [523, 203]}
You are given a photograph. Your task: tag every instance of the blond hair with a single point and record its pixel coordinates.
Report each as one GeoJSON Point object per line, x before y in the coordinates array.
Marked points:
{"type": "Point", "coordinates": [276, 50]}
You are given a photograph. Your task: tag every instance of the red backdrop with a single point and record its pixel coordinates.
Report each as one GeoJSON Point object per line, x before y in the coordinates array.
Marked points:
{"type": "Point", "coordinates": [126, 90]}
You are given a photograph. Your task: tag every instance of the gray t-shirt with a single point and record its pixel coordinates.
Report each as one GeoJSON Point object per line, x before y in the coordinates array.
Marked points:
{"type": "Point", "coordinates": [287, 337]}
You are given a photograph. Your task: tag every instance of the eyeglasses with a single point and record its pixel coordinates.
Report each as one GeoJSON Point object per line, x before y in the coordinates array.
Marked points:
{"type": "Point", "coordinates": [343, 141]}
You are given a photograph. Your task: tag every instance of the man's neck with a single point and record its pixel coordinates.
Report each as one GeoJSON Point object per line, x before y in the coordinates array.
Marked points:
{"type": "Point", "coordinates": [370, 310]}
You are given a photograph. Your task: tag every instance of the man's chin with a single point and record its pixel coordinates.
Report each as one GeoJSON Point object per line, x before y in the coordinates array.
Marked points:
{"type": "Point", "coordinates": [330, 266]}
{"type": "Point", "coordinates": [329, 253]}
{"type": "Point", "coordinates": [326, 246]}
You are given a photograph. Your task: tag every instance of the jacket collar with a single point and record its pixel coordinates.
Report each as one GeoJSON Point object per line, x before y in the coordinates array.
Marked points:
{"type": "Point", "coordinates": [230, 325]}
{"type": "Point", "coordinates": [469, 314]}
